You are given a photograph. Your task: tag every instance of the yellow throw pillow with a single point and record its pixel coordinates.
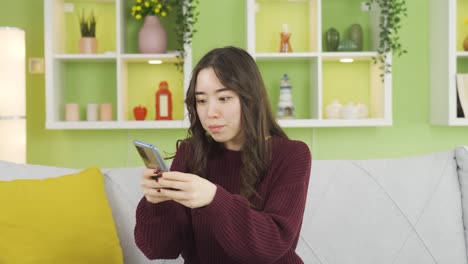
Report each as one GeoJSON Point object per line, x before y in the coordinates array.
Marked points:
{"type": "Point", "coordinates": [58, 220]}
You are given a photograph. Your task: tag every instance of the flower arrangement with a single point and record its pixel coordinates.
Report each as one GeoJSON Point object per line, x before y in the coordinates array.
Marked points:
{"type": "Point", "coordinates": [143, 8]}
{"type": "Point", "coordinates": [87, 24]}
{"type": "Point", "coordinates": [184, 12]}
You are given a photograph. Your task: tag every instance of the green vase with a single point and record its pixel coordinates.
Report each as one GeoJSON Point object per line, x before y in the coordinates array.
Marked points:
{"type": "Point", "coordinates": [332, 39]}
{"type": "Point", "coordinates": [355, 35]}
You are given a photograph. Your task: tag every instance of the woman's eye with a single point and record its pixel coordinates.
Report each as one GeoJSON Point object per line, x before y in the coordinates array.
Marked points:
{"type": "Point", "coordinates": [200, 101]}
{"type": "Point", "coordinates": [224, 98]}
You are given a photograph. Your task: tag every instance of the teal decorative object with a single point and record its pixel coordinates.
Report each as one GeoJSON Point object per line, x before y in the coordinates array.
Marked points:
{"type": "Point", "coordinates": [355, 35]}
{"type": "Point", "coordinates": [347, 45]}
{"type": "Point", "coordinates": [332, 39]}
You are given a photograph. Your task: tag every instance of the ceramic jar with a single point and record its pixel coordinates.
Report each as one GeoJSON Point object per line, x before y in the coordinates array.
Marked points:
{"type": "Point", "coordinates": [333, 110]}
{"type": "Point", "coordinates": [152, 36]}
{"type": "Point", "coordinates": [363, 110]}
{"type": "Point", "coordinates": [349, 111]}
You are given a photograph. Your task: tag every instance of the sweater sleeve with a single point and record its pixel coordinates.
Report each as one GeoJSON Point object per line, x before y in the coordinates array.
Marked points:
{"type": "Point", "coordinates": [252, 236]}
{"type": "Point", "coordinates": [161, 230]}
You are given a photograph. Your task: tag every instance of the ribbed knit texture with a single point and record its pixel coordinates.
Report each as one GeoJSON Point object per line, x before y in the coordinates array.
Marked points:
{"type": "Point", "coordinates": [228, 230]}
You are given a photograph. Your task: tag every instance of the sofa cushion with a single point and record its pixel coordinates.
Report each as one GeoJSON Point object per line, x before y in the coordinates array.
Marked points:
{"type": "Point", "coordinates": [461, 154]}
{"type": "Point", "coordinates": [405, 210]}
{"type": "Point", "coordinates": [63, 219]}
{"type": "Point", "coordinates": [124, 192]}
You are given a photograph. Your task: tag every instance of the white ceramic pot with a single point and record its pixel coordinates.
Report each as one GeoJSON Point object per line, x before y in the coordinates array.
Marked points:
{"type": "Point", "coordinates": [349, 111]}
{"type": "Point", "coordinates": [333, 110]}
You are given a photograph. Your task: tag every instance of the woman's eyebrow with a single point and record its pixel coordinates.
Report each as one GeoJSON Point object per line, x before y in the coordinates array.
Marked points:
{"type": "Point", "coordinates": [217, 91]}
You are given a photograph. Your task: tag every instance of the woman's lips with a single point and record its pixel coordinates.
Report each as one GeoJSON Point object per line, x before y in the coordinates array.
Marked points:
{"type": "Point", "coordinates": [214, 129]}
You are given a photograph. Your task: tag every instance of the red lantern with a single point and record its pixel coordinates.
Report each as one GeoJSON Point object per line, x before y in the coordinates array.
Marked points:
{"type": "Point", "coordinates": [163, 102]}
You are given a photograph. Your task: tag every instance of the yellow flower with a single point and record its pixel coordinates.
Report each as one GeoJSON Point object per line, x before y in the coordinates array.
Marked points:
{"type": "Point", "coordinates": [142, 8]}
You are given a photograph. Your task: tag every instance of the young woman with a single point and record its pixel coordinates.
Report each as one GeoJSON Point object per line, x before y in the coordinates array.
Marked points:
{"type": "Point", "coordinates": [240, 183]}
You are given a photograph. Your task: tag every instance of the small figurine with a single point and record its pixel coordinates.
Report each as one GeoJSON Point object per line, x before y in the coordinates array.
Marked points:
{"type": "Point", "coordinates": [285, 45]}
{"type": "Point", "coordinates": [285, 104]}
{"type": "Point", "coordinates": [163, 102]}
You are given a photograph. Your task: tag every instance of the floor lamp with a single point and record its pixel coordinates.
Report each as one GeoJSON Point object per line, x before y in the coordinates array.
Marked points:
{"type": "Point", "coordinates": [12, 95]}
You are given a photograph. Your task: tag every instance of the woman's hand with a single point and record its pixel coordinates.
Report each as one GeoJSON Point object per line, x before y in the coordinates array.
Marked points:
{"type": "Point", "coordinates": [150, 187]}
{"type": "Point", "coordinates": [191, 190]}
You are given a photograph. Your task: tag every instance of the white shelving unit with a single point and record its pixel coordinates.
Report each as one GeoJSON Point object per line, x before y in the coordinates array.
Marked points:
{"type": "Point", "coordinates": [60, 62]}
{"type": "Point", "coordinates": [379, 92]}
{"type": "Point", "coordinates": [447, 33]}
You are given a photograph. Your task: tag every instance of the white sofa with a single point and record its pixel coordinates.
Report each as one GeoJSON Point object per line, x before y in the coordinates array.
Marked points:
{"type": "Point", "coordinates": [405, 210]}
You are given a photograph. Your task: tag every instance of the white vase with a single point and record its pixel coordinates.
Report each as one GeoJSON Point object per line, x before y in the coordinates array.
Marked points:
{"type": "Point", "coordinates": [152, 36]}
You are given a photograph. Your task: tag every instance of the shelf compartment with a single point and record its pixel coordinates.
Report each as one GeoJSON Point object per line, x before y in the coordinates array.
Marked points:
{"type": "Point", "coordinates": [304, 82]}
{"type": "Point", "coordinates": [176, 124]}
{"type": "Point", "coordinates": [341, 15]}
{"type": "Point", "coordinates": [66, 31]}
{"type": "Point", "coordinates": [140, 81]}
{"type": "Point", "coordinates": [357, 82]}
{"type": "Point", "coordinates": [169, 57]}
{"type": "Point", "coordinates": [301, 17]}
{"type": "Point", "coordinates": [364, 122]}
{"type": "Point", "coordinates": [461, 27]}
{"type": "Point", "coordinates": [85, 83]}
{"type": "Point", "coordinates": [86, 57]}
{"type": "Point", "coordinates": [131, 27]}
{"type": "Point", "coordinates": [286, 56]}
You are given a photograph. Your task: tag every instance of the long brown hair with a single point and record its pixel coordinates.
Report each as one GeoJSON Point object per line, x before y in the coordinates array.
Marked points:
{"type": "Point", "coordinates": [236, 70]}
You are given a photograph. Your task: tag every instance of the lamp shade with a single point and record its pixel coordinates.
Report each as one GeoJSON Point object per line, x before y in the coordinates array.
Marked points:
{"type": "Point", "coordinates": [12, 95]}
{"type": "Point", "coordinates": [12, 72]}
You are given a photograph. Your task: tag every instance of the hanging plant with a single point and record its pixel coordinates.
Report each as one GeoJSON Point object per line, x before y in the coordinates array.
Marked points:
{"type": "Point", "coordinates": [186, 18]}
{"type": "Point", "coordinates": [391, 14]}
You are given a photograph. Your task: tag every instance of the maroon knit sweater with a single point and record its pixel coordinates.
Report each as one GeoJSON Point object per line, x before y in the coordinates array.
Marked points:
{"type": "Point", "coordinates": [228, 230]}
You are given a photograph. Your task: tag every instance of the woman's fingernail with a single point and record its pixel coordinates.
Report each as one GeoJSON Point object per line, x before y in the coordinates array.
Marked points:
{"type": "Point", "coordinates": [156, 171]}
{"type": "Point", "coordinates": [158, 190]}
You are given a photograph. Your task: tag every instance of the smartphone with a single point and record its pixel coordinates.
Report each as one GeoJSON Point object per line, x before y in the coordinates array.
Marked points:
{"type": "Point", "coordinates": [150, 155]}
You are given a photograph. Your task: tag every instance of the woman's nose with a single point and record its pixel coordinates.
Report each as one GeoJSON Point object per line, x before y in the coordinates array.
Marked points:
{"type": "Point", "coordinates": [213, 109]}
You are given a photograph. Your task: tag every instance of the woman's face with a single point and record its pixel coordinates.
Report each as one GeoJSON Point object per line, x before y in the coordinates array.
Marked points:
{"type": "Point", "coordinates": [218, 109]}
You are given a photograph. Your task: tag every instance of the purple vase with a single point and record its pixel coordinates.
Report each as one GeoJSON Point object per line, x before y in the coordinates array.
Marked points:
{"type": "Point", "coordinates": [152, 36]}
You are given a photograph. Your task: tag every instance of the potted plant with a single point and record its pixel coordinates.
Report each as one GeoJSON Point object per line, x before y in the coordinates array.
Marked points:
{"type": "Point", "coordinates": [152, 36]}
{"type": "Point", "coordinates": [391, 14]}
{"type": "Point", "coordinates": [88, 41]}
